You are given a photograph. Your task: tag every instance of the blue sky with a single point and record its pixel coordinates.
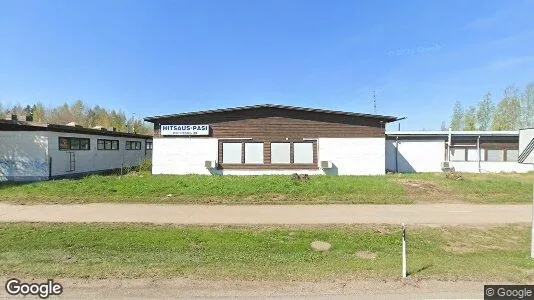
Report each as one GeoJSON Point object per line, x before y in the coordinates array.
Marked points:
{"type": "Point", "coordinates": [160, 57]}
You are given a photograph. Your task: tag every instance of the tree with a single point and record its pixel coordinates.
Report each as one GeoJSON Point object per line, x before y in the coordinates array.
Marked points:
{"type": "Point", "coordinates": [443, 126]}
{"type": "Point", "coordinates": [507, 114]}
{"type": "Point", "coordinates": [527, 107]}
{"type": "Point", "coordinates": [457, 118]}
{"type": "Point", "coordinates": [39, 113]}
{"type": "Point", "coordinates": [485, 112]}
{"type": "Point", "coordinates": [470, 119]}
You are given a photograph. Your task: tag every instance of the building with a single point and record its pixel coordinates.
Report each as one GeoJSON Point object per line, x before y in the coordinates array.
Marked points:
{"type": "Point", "coordinates": [469, 151]}
{"type": "Point", "coordinates": [31, 151]}
{"type": "Point", "coordinates": [269, 139]}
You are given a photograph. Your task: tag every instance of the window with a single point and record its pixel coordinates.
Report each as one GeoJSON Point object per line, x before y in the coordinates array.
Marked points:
{"type": "Point", "coordinates": [253, 153]}
{"type": "Point", "coordinates": [148, 145]}
{"type": "Point", "coordinates": [133, 145]}
{"type": "Point", "coordinates": [249, 153]}
{"type": "Point", "coordinates": [494, 154]}
{"type": "Point", "coordinates": [457, 154]}
{"type": "Point", "coordinates": [231, 153]}
{"type": "Point", "coordinates": [107, 144]}
{"type": "Point", "coordinates": [64, 143]}
{"type": "Point", "coordinates": [303, 153]}
{"type": "Point", "coordinates": [512, 154]}
{"type": "Point", "coordinates": [472, 154]}
{"type": "Point", "coordinates": [280, 153]}
{"type": "Point", "coordinates": [72, 143]}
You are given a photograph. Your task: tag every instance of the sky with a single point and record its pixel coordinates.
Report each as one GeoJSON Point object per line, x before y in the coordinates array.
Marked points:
{"type": "Point", "coordinates": [161, 57]}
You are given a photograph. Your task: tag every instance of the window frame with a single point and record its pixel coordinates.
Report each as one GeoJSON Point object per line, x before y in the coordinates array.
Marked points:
{"type": "Point", "coordinates": [129, 145]}
{"type": "Point", "coordinates": [147, 143]}
{"type": "Point", "coordinates": [464, 149]}
{"type": "Point", "coordinates": [104, 143]}
{"type": "Point", "coordinates": [267, 164]}
{"type": "Point", "coordinates": [70, 139]}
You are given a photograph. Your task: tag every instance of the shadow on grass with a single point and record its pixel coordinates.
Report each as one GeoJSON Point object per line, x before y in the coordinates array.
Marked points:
{"type": "Point", "coordinates": [410, 273]}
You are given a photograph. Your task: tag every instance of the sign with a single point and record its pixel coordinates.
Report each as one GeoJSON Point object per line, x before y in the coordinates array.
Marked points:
{"type": "Point", "coordinates": [185, 129]}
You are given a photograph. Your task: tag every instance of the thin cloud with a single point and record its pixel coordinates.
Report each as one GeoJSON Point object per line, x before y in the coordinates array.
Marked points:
{"type": "Point", "coordinates": [510, 62]}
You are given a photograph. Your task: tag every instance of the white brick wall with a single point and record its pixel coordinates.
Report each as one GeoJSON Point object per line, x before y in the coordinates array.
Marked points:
{"type": "Point", "coordinates": [416, 156]}
{"type": "Point", "coordinates": [23, 155]}
{"type": "Point", "coordinates": [183, 155]}
{"type": "Point", "coordinates": [353, 156]}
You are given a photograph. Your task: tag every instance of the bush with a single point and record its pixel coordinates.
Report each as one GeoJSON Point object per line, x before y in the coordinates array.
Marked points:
{"type": "Point", "coordinates": [146, 165]}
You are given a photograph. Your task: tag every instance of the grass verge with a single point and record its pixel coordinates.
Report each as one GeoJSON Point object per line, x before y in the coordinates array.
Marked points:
{"type": "Point", "coordinates": [266, 253]}
{"type": "Point", "coordinates": [394, 188]}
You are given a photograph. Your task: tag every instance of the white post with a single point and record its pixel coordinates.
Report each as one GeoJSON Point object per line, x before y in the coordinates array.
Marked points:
{"type": "Point", "coordinates": [532, 226]}
{"type": "Point", "coordinates": [403, 250]}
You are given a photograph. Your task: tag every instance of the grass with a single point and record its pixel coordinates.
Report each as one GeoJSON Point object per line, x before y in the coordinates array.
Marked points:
{"type": "Point", "coordinates": [394, 188]}
{"type": "Point", "coordinates": [266, 253]}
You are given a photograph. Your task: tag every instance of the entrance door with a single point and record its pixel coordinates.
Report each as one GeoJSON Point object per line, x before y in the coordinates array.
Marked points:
{"type": "Point", "coordinates": [71, 161]}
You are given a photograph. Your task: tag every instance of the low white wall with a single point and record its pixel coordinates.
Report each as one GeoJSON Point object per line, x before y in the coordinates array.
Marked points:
{"type": "Point", "coordinates": [415, 156]}
{"type": "Point", "coordinates": [183, 155]}
{"type": "Point", "coordinates": [353, 156]}
{"type": "Point", "coordinates": [23, 155]}
{"type": "Point", "coordinates": [491, 167]}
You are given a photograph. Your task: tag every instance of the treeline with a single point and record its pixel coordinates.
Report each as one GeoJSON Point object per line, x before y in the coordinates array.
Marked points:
{"type": "Point", "coordinates": [513, 111]}
{"type": "Point", "coordinates": [80, 113]}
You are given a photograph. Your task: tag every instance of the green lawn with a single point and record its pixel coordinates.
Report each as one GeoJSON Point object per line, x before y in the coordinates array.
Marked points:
{"type": "Point", "coordinates": [393, 188]}
{"type": "Point", "coordinates": [266, 253]}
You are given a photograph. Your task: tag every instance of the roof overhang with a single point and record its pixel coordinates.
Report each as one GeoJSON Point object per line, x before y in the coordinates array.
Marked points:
{"type": "Point", "coordinates": [385, 119]}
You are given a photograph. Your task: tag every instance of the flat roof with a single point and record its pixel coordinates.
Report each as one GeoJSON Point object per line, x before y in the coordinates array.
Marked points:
{"type": "Point", "coordinates": [454, 133]}
{"type": "Point", "coordinates": [14, 125]}
{"type": "Point", "coordinates": [275, 106]}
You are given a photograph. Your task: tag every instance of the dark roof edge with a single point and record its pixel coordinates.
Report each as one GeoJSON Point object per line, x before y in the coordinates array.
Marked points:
{"type": "Point", "coordinates": [11, 125]}
{"type": "Point", "coordinates": [296, 108]}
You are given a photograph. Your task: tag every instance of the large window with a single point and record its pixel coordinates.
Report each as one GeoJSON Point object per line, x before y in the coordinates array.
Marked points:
{"type": "Point", "coordinates": [457, 154]}
{"type": "Point", "coordinates": [133, 145]}
{"type": "Point", "coordinates": [72, 143]}
{"type": "Point", "coordinates": [512, 155]}
{"type": "Point", "coordinates": [254, 153]}
{"type": "Point", "coordinates": [235, 152]}
{"type": "Point", "coordinates": [107, 144]}
{"type": "Point", "coordinates": [231, 153]}
{"type": "Point", "coordinates": [303, 153]}
{"type": "Point", "coordinates": [495, 154]}
{"type": "Point", "coordinates": [472, 154]}
{"type": "Point", "coordinates": [280, 153]}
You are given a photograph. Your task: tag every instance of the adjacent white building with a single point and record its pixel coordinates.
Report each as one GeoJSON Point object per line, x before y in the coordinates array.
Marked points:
{"type": "Point", "coordinates": [31, 151]}
{"type": "Point", "coordinates": [461, 151]}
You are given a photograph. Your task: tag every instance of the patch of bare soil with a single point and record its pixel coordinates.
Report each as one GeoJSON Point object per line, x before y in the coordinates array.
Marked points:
{"type": "Point", "coordinates": [429, 192]}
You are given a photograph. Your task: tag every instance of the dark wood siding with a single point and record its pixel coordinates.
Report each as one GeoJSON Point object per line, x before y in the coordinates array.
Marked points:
{"type": "Point", "coordinates": [269, 124]}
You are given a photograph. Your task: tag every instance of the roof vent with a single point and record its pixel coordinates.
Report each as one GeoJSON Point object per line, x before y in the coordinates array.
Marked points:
{"type": "Point", "coordinates": [112, 129]}
{"type": "Point", "coordinates": [100, 128]}
{"type": "Point", "coordinates": [73, 124]}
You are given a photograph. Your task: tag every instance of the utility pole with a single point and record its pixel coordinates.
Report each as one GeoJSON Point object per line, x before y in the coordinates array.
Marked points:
{"type": "Point", "coordinates": [374, 102]}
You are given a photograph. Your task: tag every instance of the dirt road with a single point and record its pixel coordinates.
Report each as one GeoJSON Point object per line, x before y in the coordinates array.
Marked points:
{"type": "Point", "coordinates": [206, 289]}
{"type": "Point", "coordinates": [440, 214]}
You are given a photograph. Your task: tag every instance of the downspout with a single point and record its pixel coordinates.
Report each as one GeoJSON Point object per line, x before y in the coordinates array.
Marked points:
{"type": "Point", "coordinates": [397, 154]}
{"type": "Point", "coordinates": [478, 151]}
{"type": "Point", "coordinates": [449, 145]}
